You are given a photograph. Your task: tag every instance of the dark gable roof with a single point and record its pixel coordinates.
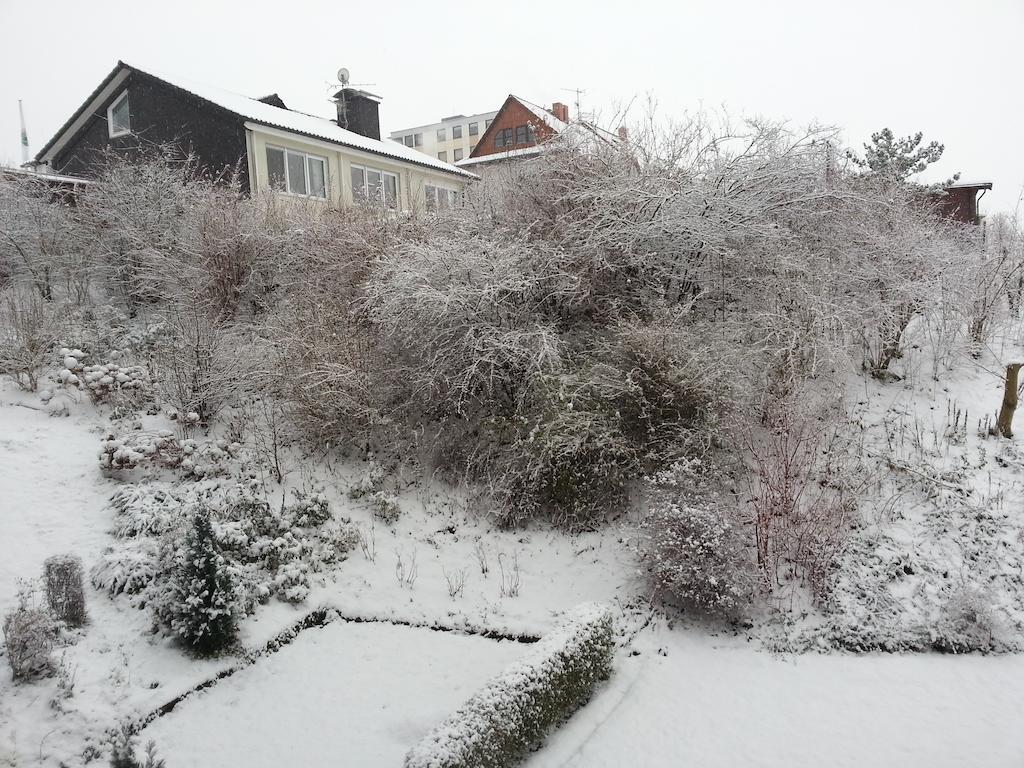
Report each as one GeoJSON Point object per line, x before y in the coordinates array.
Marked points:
{"type": "Point", "coordinates": [262, 113]}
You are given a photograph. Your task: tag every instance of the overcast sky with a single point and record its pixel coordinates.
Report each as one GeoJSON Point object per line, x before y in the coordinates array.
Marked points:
{"type": "Point", "coordinates": [951, 68]}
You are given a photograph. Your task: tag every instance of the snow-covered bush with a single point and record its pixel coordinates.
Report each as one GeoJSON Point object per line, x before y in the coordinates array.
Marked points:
{"type": "Point", "coordinates": [386, 506]}
{"type": "Point", "coordinates": [65, 593]}
{"type": "Point", "coordinates": [128, 568]}
{"type": "Point", "coordinates": [200, 607]}
{"type": "Point", "coordinates": [696, 556]}
{"type": "Point", "coordinates": [29, 635]}
{"type": "Point", "coordinates": [109, 382]}
{"type": "Point", "coordinates": [966, 622]}
{"type": "Point", "coordinates": [150, 450]}
{"type": "Point", "coordinates": [369, 481]}
{"type": "Point", "coordinates": [266, 551]}
{"type": "Point", "coordinates": [123, 751]}
{"type": "Point", "coordinates": [309, 510]}
{"type": "Point", "coordinates": [513, 712]}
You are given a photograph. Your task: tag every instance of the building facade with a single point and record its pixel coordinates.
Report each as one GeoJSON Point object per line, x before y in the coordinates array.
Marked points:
{"type": "Point", "coordinates": [264, 145]}
{"type": "Point", "coordinates": [451, 140]}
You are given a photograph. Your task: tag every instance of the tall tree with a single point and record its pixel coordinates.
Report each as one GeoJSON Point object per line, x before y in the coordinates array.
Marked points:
{"type": "Point", "coordinates": [899, 158]}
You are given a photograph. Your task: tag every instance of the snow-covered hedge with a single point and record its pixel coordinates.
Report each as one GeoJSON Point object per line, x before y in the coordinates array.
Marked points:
{"type": "Point", "coordinates": [513, 712]}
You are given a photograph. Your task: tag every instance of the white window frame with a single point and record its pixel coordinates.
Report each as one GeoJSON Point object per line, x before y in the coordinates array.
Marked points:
{"type": "Point", "coordinates": [110, 116]}
{"type": "Point", "coordinates": [367, 169]}
{"type": "Point", "coordinates": [305, 171]}
{"type": "Point", "coordinates": [453, 195]}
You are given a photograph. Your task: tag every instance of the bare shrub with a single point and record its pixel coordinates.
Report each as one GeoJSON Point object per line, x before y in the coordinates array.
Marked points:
{"type": "Point", "coordinates": [29, 634]}
{"type": "Point", "coordinates": [805, 493]}
{"type": "Point", "coordinates": [30, 328]}
{"type": "Point", "coordinates": [508, 571]}
{"type": "Point", "coordinates": [456, 581]}
{"type": "Point", "coordinates": [65, 591]}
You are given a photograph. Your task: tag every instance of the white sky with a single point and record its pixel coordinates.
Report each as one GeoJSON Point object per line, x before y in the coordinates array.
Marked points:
{"type": "Point", "coordinates": [951, 68]}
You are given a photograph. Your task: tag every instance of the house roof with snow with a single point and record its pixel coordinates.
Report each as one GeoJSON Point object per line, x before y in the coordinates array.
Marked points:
{"type": "Point", "coordinates": [548, 125]}
{"type": "Point", "coordinates": [264, 112]}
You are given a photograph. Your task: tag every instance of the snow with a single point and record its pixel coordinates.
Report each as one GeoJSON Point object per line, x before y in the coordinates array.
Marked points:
{"type": "Point", "coordinates": [364, 693]}
{"type": "Point", "coordinates": [343, 694]}
{"type": "Point", "coordinates": [544, 115]}
{"type": "Point", "coordinates": [289, 120]}
{"type": "Point", "coordinates": [717, 702]}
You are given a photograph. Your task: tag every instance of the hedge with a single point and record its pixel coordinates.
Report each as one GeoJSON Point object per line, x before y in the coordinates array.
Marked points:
{"type": "Point", "coordinates": [512, 713]}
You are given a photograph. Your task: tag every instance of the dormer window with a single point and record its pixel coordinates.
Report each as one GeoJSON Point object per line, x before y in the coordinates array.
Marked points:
{"type": "Point", "coordinates": [118, 119]}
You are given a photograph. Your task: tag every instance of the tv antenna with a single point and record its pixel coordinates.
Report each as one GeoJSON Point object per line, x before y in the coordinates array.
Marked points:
{"type": "Point", "coordinates": [579, 93]}
{"type": "Point", "coordinates": [345, 79]}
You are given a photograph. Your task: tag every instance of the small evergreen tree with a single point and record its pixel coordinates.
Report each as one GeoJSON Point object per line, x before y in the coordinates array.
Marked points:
{"type": "Point", "coordinates": [203, 610]}
{"type": "Point", "coordinates": [899, 159]}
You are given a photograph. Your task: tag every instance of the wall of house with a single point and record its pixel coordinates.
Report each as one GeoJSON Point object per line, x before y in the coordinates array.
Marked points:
{"type": "Point", "coordinates": [960, 205]}
{"type": "Point", "coordinates": [513, 115]}
{"type": "Point", "coordinates": [411, 179]}
{"type": "Point", "coordinates": [160, 114]}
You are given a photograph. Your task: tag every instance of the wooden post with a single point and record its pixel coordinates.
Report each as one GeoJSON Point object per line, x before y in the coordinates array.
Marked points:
{"type": "Point", "coordinates": [1004, 423]}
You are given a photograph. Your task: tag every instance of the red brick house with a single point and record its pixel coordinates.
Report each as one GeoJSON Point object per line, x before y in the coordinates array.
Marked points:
{"type": "Point", "coordinates": [960, 201]}
{"type": "Point", "coordinates": [520, 128]}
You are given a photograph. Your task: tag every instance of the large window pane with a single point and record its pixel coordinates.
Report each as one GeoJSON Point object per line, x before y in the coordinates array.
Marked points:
{"type": "Point", "coordinates": [358, 183]}
{"type": "Point", "coordinates": [317, 177]}
{"type": "Point", "coordinates": [275, 168]}
{"type": "Point", "coordinates": [296, 173]}
{"type": "Point", "coordinates": [120, 121]}
{"type": "Point", "coordinates": [391, 190]}
{"type": "Point", "coordinates": [474, 129]}
{"type": "Point", "coordinates": [409, 140]}
{"type": "Point", "coordinates": [441, 134]}
{"type": "Point", "coordinates": [456, 131]}
{"type": "Point", "coordinates": [372, 184]}
{"type": "Point", "coordinates": [418, 140]}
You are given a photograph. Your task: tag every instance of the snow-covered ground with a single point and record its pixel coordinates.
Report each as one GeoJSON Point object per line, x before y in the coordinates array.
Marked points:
{"type": "Point", "coordinates": [690, 699]}
{"type": "Point", "coordinates": [343, 694]}
{"type": "Point", "coordinates": [363, 693]}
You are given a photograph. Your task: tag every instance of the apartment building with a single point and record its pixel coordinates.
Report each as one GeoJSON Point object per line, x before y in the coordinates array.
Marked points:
{"type": "Point", "coordinates": [450, 140]}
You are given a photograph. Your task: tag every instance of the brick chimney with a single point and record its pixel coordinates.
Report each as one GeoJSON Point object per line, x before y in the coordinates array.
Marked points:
{"type": "Point", "coordinates": [561, 111]}
{"type": "Point", "coordinates": [359, 112]}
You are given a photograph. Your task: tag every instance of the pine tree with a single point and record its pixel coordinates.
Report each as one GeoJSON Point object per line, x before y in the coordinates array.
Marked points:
{"type": "Point", "coordinates": [204, 612]}
{"type": "Point", "coordinates": [899, 159]}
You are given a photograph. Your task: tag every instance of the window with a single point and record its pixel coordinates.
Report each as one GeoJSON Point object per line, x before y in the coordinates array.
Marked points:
{"type": "Point", "coordinates": [487, 124]}
{"type": "Point", "coordinates": [442, 156]}
{"type": "Point", "coordinates": [418, 140]}
{"type": "Point", "coordinates": [296, 172]}
{"type": "Point", "coordinates": [457, 155]}
{"type": "Point", "coordinates": [374, 185]}
{"type": "Point", "coordinates": [520, 134]}
{"type": "Point", "coordinates": [439, 197]}
{"type": "Point", "coordinates": [503, 138]}
{"type": "Point", "coordinates": [409, 140]}
{"type": "Point", "coordinates": [456, 131]}
{"type": "Point", "coordinates": [442, 134]}
{"type": "Point", "coordinates": [118, 117]}
{"type": "Point", "coordinates": [474, 129]}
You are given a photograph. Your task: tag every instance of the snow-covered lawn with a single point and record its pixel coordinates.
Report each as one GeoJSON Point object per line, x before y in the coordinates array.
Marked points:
{"type": "Point", "coordinates": [343, 694]}
{"type": "Point", "coordinates": [713, 702]}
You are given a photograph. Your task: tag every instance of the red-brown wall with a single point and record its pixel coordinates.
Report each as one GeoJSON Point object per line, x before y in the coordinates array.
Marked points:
{"type": "Point", "coordinates": [960, 205]}
{"type": "Point", "coordinates": [511, 116]}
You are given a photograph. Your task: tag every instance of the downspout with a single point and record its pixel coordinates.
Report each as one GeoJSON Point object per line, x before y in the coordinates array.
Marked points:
{"type": "Point", "coordinates": [250, 162]}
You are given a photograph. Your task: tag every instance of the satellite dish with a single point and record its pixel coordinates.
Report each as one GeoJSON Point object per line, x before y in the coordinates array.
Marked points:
{"type": "Point", "coordinates": [343, 76]}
